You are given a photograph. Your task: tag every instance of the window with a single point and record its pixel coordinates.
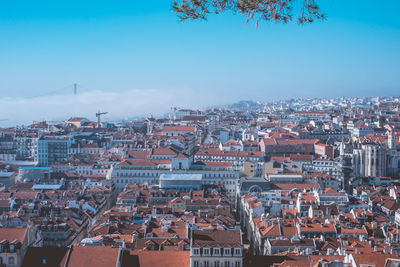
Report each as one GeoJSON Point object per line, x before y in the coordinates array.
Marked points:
{"type": "Point", "coordinates": [237, 251]}
{"type": "Point", "coordinates": [206, 251]}
{"type": "Point", "coordinates": [226, 264]}
{"type": "Point", "coordinates": [216, 252]}
{"type": "Point", "coordinates": [11, 260]}
{"type": "Point", "coordinates": [196, 251]}
{"type": "Point", "coordinates": [237, 264]}
{"type": "Point", "coordinates": [227, 251]}
{"type": "Point", "coordinates": [206, 264]}
{"type": "Point", "coordinates": [195, 264]}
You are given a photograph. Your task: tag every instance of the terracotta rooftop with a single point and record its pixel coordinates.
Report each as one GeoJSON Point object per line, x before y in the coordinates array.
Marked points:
{"type": "Point", "coordinates": [97, 256]}
{"type": "Point", "coordinates": [157, 259]}
{"type": "Point", "coordinates": [179, 129]}
{"type": "Point", "coordinates": [216, 238]}
{"type": "Point", "coordinates": [163, 151]}
{"type": "Point", "coordinates": [12, 234]}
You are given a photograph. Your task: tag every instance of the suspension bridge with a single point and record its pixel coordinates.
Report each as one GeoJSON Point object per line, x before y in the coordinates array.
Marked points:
{"type": "Point", "coordinates": [73, 89]}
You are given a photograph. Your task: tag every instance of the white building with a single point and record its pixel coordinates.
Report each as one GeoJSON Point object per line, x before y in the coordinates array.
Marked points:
{"type": "Point", "coordinates": [369, 160]}
{"type": "Point", "coordinates": [216, 248]}
{"type": "Point", "coordinates": [13, 246]}
{"type": "Point", "coordinates": [149, 171]}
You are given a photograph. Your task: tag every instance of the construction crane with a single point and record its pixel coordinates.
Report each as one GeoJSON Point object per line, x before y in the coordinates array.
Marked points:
{"type": "Point", "coordinates": [98, 115]}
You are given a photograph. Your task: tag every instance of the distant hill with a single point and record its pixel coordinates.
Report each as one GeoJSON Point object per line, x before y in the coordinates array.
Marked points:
{"type": "Point", "coordinates": [244, 105]}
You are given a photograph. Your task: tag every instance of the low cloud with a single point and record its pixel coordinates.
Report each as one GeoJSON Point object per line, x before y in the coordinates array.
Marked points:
{"type": "Point", "coordinates": [119, 105]}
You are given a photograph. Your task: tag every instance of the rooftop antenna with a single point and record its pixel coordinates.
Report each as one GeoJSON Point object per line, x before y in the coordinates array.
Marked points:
{"type": "Point", "coordinates": [98, 115]}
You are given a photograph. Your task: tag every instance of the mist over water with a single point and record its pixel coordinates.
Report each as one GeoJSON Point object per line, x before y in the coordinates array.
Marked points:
{"type": "Point", "coordinates": [119, 105]}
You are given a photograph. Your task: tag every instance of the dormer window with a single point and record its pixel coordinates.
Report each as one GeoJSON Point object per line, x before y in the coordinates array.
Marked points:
{"type": "Point", "coordinates": [196, 251]}
{"type": "Point", "coordinates": [206, 252]}
{"type": "Point", "coordinates": [238, 252]}
{"type": "Point", "coordinates": [227, 251]}
{"type": "Point", "coordinates": [217, 252]}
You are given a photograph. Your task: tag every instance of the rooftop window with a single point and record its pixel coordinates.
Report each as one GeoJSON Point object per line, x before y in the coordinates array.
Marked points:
{"type": "Point", "coordinates": [227, 251]}
{"type": "Point", "coordinates": [196, 251]}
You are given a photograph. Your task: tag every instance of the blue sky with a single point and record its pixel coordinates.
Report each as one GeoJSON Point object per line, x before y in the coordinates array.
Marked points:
{"type": "Point", "coordinates": [131, 48]}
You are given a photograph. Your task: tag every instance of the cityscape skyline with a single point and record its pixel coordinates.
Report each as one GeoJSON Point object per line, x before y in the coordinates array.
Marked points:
{"type": "Point", "coordinates": [135, 134]}
{"type": "Point", "coordinates": [302, 182]}
{"type": "Point", "coordinates": [72, 106]}
{"type": "Point", "coordinates": [140, 50]}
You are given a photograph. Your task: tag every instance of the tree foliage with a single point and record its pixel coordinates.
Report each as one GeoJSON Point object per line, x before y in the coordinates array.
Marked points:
{"type": "Point", "coordinates": [304, 11]}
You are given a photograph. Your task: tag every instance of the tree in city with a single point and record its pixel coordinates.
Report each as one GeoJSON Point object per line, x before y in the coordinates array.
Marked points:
{"type": "Point", "coordinates": [304, 11]}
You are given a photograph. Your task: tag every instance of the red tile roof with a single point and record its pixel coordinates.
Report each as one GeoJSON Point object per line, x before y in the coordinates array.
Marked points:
{"type": "Point", "coordinates": [179, 129]}
{"type": "Point", "coordinates": [217, 238]}
{"type": "Point", "coordinates": [12, 234]}
{"type": "Point", "coordinates": [290, 186]}
{"type": "Point", "coordinates": [158, 258]}
{"type": "Point", "coordinates": [138, 154]}
{"type": "Point", "coordinates": [373, 259]}
{"type": "Point", "coordinates": [82, 256]}
{"type": "Point", "coordinates": [301, 157]}
{"type": "Point", "coordinates": [163, 151]}
{"type": "Point", "coordinates": [297, 141]}
{"type": "Point", "coordinates": [217, 164]}
{"type": "Point", "coordinates": [318, 228]}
